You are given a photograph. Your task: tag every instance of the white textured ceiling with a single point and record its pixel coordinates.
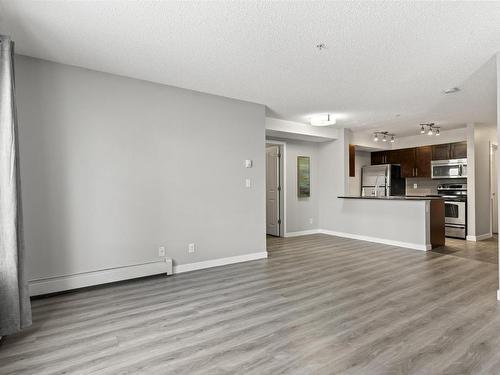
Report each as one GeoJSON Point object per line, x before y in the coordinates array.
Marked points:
{"type": "Point", "coordinates": [383, 59]}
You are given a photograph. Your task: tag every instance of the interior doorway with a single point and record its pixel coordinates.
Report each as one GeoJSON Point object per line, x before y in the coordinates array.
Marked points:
{"type": "Point", "coordinates": [275, 225]}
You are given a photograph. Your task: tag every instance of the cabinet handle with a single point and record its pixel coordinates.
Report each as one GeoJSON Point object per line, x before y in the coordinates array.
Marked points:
{"type": "Point", "coordinates": [416, 172]}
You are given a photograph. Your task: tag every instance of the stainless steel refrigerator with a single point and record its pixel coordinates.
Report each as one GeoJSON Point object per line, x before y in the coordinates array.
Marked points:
{"type": "Point", "coordinates": [382, 180]}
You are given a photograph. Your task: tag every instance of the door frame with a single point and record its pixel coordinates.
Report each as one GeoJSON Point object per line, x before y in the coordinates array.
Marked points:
{"type": "Point", "coordinates": [282, 194]}
{"type": "Point", "coordinates": [493, 170]}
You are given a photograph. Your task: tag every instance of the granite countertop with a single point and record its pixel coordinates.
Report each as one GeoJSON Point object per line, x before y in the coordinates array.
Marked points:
{"type": "Point", "coordinates": [393, 198]}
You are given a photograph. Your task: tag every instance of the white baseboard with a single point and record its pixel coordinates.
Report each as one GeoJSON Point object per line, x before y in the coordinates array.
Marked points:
{"type": "Point", "coordinates": [408, 245]}
{"type": "Point", "coordinates": [498, 294]}
{"type": "Point", "coordinates": [302, 233]}
{"type": "Point", "coordinates": [480, 237]}
{"type": "Point", "coordinates": [219, 262]}
{"type": "Point", "coordinates": [84, 279]}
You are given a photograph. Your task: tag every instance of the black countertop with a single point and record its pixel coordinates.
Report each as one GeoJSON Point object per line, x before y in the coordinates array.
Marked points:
{"type": "Point", "coordinates": [393, 198]}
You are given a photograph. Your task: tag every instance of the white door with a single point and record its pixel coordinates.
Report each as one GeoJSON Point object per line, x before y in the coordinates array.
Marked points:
{"type": "Point", "coordinates": [494, 190]}
{"type": "Point", "coordinates": [272, 190]}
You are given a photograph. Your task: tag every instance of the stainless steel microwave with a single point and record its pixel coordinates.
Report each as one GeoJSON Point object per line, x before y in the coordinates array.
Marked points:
{"type": "Point", "coordinates": [454, 168]}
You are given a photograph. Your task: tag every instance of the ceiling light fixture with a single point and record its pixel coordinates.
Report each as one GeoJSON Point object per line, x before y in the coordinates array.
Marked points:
{"type": "Point", "coordinates": [431, 129]}
{"type": "Point", "coordinates": [321, 46]}
{"type": "Point", "coordinates": [323, 120]}
{"type": "Point", "coordinates": [384, 136]}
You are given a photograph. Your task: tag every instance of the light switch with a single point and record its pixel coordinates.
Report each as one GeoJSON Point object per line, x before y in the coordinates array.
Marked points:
{"type": "Point", "coordinates": [415, 186]}
{"type": "Point", "coordinates": [248, 183]}
{"type": "Point", "coordinates": [248, 163]}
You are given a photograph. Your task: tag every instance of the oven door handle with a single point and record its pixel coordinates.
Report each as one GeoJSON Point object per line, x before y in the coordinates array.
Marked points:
{"type": "Point", "coordinates": [455, 225]}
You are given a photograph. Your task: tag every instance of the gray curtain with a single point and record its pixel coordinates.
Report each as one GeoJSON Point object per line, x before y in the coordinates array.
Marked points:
{"type": "Point", "coordinates": [15, 309]}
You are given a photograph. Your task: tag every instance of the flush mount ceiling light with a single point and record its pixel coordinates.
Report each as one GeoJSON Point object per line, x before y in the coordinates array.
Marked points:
{"type": "Point", "coordinates": [384, 135]}
{"type": "Point", "coordinates": [321, 46]}
{"type": "Point", "coordinates": [432, 129]}
{"type": "Point", "coordinates": [451, 90]}
{"type": "Point", "coordinates": [323, 120]}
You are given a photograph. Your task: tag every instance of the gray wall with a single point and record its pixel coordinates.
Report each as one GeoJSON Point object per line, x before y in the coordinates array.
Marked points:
{"type": "Point", "coordinates": [333, 169]}
{"type": "Point", "coordinates": [299, 211]}
{"type": "Point", "coordinates": [483, 137]}
{"type": "Point", "coordinates": [362, 158]}
{"type": "Point", "coordinates": [114, 167]}
{"type": "Point", "coordinates": [480, 138]}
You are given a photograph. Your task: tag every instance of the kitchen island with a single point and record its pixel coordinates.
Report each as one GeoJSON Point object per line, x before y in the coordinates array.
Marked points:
{"type": "Point", "coordinates": [405, 221]}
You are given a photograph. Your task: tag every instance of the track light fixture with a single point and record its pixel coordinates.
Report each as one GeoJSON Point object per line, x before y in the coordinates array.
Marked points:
{"type": "Point", "coordinates": [385, 136]}
{"type": "Point", "coordinates": [431, 129]}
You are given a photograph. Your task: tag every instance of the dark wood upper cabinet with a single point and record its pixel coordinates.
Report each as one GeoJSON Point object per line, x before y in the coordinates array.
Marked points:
{"type": "Point", "coordinates": [441, 152]}
{"type": "Point", "coordinates": [405, 157]}
{"type": "Point", "coordinates": [352, 161]}
{"type": "Point", "coordinates": [378, 157]}
{"type": "Point", "coordinates": [416, 161]}
{"type": "Point", "coordinates": [458, 150]}
{"type": "Point", "coordinates": [447, 151]}
{"type": "Point", "coordinates": [392, 157]}
{"type": "Point", "coordinates": [423, 157]}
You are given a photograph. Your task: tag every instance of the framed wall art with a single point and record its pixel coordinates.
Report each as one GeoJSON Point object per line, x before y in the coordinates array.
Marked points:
{"type": "Point", "coordinates": [303, 176]}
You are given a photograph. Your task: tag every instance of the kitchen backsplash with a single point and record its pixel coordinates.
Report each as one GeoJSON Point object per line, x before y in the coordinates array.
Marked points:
{"type": "Point", "coordinates": [426, 186]}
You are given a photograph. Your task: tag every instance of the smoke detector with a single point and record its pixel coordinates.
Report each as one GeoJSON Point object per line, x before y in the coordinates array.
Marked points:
{"type": "Point", "coordinates": [451, 90]}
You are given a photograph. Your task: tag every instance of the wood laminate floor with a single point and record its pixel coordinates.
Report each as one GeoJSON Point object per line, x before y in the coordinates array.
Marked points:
{"type": "Point", "coordinates": [484, 251]}
{"type": "Point", "coordinates": [318, 305]}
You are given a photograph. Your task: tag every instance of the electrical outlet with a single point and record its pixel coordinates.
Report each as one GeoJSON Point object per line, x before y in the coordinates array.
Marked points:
{"type": "Point", "coordinates": [191, 248]}
{"type": "Point", "coordinates": [161, 251]}
{"type": "Point", "coordinates": [310, 220]}
{"type": "Point", "coordinates": [248, 183]}
{"type": "Point", "coordinates": [415, 186]}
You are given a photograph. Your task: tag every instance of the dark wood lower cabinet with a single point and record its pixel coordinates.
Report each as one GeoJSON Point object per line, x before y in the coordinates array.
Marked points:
{"type": "Point", "coordinates": [437, 218]}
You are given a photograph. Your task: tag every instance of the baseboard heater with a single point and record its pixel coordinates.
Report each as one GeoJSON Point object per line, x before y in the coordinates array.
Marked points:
{"type": "Point", "coordinates": [80, 280]}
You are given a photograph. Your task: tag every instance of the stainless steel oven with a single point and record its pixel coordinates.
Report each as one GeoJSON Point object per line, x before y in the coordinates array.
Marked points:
{"type": "Point", "coordinates": [454, 168]}
{"type": "Point", "coordinates": [454, 212]}
{"type": "Point", "coordinates": [455, 209]}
